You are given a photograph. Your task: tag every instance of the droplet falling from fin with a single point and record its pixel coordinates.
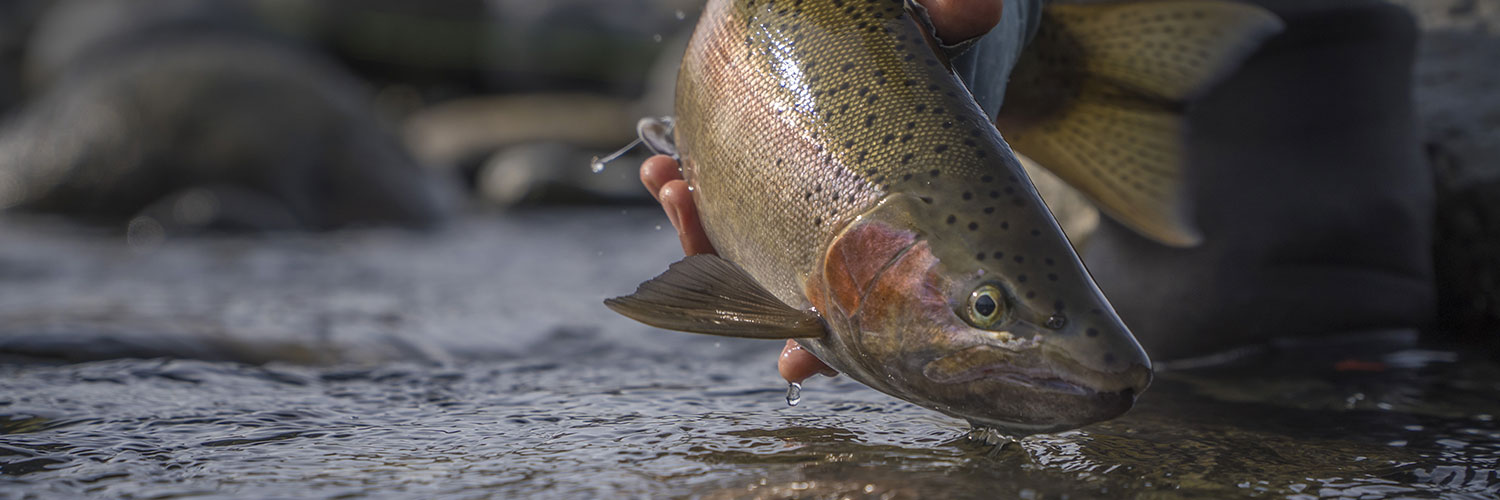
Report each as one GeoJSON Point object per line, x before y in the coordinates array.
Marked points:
{"type": "Point", "coordinates": [793, 393]}
{"type": "Point", "coordinates": [597, 164]}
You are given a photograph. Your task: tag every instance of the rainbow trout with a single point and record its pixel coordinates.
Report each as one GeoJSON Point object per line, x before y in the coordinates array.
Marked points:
{"type": "Point", "coordinates": [862, 203]}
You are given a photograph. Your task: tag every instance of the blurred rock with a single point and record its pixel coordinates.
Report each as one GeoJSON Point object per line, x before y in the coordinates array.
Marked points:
{"type": "Point", "coordinates": [145, 107]}
{"type": "Point", "coordinates": [17, 19]}
{"type": "Point", "coordinates": [451, 48]}
{"type": "Point", "coordinates": [1459, 108]}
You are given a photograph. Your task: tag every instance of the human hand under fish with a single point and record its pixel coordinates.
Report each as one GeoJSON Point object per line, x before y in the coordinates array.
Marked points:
{"type": "Point", "coordinates": [955, 21]}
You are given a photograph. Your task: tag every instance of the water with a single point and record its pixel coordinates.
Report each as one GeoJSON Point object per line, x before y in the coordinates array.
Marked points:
{"type": "Point", "coordinates": [477, 363]}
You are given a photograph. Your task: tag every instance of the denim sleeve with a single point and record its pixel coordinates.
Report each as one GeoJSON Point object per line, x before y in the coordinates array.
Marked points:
{"type": "Point", "coordinates": [985, 67]}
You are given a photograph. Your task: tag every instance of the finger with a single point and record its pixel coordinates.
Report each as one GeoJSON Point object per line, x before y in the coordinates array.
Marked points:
{"type": "Point", "coordinates": [796, 364]}
{"type": "Point", "coordinates": [657, 171]}
{"type": "Point", "coordinates": [959, 20]}
{"type": "Point", "coordinates": [677, 200]}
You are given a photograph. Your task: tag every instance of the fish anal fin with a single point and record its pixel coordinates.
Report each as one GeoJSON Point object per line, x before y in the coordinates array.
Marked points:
{"type": "Point", "coordinates": [710, 295]}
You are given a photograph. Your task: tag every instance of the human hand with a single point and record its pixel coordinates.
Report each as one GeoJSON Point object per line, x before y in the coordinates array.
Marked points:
{"type": "Point", "coordinates": [955, 21]}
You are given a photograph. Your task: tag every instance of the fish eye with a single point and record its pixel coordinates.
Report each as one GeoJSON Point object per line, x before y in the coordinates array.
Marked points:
{"type": "Point", "coordinates": [986, 306]}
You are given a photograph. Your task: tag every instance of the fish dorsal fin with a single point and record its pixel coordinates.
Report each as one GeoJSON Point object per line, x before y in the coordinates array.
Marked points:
{"type": "Point", "coordinates": [1098, 97]}
{"type": "Point", "coordinates": [708, 294]}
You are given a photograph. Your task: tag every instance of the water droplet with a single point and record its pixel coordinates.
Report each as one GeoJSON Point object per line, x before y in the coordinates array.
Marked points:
{"type": "Point", "coordinates": [681, 15]}
{"type": "Point", "coordinates": [597, 164]}
{"type": "Point", "coordinates": [793, 393]}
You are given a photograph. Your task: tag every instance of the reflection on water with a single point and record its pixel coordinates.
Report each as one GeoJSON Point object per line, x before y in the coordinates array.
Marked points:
{"type": "Point", "coordinates": [568, 428]}
{"type": "Point", "coordinates": [603, 408]}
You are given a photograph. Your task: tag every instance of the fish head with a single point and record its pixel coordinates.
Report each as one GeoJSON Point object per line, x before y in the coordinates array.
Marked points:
{"type": "Point", "coordinates": [1025, 347]}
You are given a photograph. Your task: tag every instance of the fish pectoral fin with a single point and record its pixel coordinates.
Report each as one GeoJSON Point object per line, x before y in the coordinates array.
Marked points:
{"type": "Point", "coordinates": [1098, 97]}
{"type": "Point", "coordinates": [711, 295]}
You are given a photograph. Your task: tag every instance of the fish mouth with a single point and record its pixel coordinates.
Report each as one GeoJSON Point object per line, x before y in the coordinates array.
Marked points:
{"type": "Point", "coordinates": [1030, 389]}
{"type": "Point", "coordinates": [1007, 373]}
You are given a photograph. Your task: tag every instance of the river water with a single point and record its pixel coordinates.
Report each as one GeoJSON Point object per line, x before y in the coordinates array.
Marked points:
{"type": "Point", "coordinates": [477, 362]}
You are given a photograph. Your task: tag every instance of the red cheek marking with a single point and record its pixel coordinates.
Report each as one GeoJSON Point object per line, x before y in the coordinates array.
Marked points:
{"type": "Point", "coordinates": [907, 289]}
{"type": "Point", "coordinates": [858, 257]}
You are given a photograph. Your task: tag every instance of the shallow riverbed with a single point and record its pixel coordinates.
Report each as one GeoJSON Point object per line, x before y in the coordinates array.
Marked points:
{"type": "Point", "coordinates": [477, 362]}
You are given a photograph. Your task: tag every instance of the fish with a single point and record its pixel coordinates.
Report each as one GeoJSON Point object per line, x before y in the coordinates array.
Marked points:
{"type": "Point", "coordinates": [864, 204]}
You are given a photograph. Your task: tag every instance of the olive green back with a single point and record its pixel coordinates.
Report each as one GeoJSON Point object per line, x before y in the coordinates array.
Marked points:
{"type": "Point", "coordinates": [795, 116]}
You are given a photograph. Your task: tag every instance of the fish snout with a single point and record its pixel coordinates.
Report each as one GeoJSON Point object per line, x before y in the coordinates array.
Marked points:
{"type": "Point", "coordinates": [1032, 386]}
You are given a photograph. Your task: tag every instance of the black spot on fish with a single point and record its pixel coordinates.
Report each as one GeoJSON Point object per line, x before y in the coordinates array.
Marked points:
{"type": "Point", "coordinates": [906, 177]}
{"type": "Point", "coordinates": [968, 195]}
{"type": "Point", "coordinates": [887, 139]}
{"type": "Point", "coordinates": [817, 221]}
{"type": "Point", "coordinates": [1058, 305]}
{"type": "Point", "coordinates": [846, 67]}
{"type": "Point", "coordinates": [1109, 357]}
{"type": "Point", "coordinates": [849, 143]}
{"type": "Point", "coordinates": [994, 195]}
{"type": "Point", "coordinates": [1049, 261]}
{"type": "Point", "coordinates": [939, 148]}
{"type": "Point", "coordinates": [1020, 259]}
{"type": "Point", "coordinates": [989, 210]}
{"type": "Point", "coordinates": [947, 124]}
{"type": "Point", "coordinates": [1005, 225]}
{"type": "Point", "coordinates": [1036, 232]}
{"type": "Point", "coordinates": [973, 226]}
{"type": "Point", "coordinates": [952, 219]}
{"type": "Point", "coordinates": [921, 108]}
{"type": "Point", "coordinates": [1092, 332]}
{"type": "Point", "coordinates": [870, 121]}
{"type": "Point", "coordinates": [905, 137]}
{"type": "Point", "coordinates": [933, 173]}
{"type": "Point", "coordinates": [926, 199]}
{"type": "Point", "coordinates": [980, 154]}
{"type": "Point", "coordinates": [1021, 278]}
{"type": "Point", "coordinates": [1052, 276]}
{"type": "Point", "coordinates": [999, 255]}
{"type": "Point", "coordinates": [980, 256]}
{"type": "Point", "coordinates": [1031, 294]}
{"type": "Point", "coordinates": [905, 159]}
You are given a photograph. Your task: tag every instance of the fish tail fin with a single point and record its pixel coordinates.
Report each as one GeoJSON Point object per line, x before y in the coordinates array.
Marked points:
{"type": "Point", "coordinates": [1098, 99]}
